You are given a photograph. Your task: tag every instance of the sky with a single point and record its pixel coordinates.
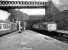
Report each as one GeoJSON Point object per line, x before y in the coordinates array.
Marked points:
{"type": "Point", "coordinates": [56, 2]}
{"type": "Point", "coordinates": [61, 4]}
{"type": "Point", "coordinates": [4, 15]}
{"type": "Point", "coordinates": [33, 11]}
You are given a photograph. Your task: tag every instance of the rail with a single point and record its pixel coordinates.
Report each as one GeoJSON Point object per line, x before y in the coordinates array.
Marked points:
{"type": "Point", "coordinates": [62, 31]}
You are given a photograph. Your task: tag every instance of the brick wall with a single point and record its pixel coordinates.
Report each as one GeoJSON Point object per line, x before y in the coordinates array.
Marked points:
{"type": "Point", "coordinates": [51, 11]}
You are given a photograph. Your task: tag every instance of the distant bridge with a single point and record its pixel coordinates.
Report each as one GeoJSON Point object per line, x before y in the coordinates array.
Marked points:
{"type": "Point", "coordinates": [23, 4]}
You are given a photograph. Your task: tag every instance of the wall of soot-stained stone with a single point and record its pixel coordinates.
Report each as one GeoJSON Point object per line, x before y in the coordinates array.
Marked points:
{"type": "Point", "coordinates": [56, 13]}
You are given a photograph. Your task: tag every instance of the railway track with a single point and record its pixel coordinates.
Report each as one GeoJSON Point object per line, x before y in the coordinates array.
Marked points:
{"type": "Point", "coordinates": [59, 34]}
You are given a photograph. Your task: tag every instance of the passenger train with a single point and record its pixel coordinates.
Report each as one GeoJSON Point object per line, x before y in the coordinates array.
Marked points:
{"type": "Point", "coordinates": [50, 26]}
{"type": "Point", "coordinates": [5, 24]}
{"type": "Point", "coordinates": [6, 27]}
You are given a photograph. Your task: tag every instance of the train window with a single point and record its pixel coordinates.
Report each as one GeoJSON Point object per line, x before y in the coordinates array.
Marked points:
{"type": "Point", "coordinates": [6, 26]}
{"type": "Point", "coordinates": [3, 25]}
{"type": "Point", "coordinates": [0, 26]}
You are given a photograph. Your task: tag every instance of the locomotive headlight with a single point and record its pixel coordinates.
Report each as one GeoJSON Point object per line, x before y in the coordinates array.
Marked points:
{"type": "Point", "coordinates": [52, 27]}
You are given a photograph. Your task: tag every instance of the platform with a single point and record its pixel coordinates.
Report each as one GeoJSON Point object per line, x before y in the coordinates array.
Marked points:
{"type": "Point", "coordinates": [30, 40]}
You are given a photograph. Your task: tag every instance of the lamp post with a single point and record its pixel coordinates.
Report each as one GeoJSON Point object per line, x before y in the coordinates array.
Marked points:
{"type": "Point", "coordinates": [21, 19]}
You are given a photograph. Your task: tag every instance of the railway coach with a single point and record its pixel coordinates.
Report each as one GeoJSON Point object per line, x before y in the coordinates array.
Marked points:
{"type": "Point", "coordinates": [50, 26]}
{"type": "Point", "coordinates": [6, 27]}
{"type": "Point", "coordinates": [5, 24]}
